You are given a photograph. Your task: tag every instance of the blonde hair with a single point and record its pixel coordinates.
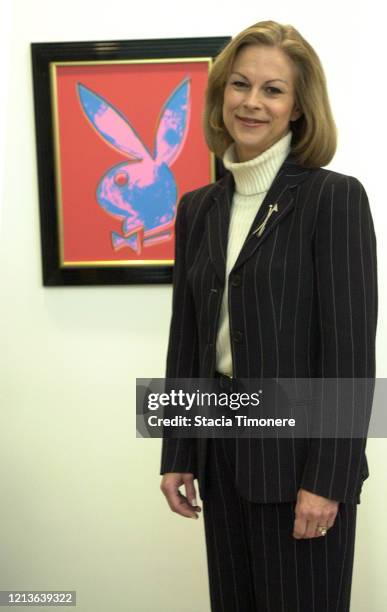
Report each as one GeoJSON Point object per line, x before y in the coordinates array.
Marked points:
{"type": "Point", "coordinates": [314, 138]}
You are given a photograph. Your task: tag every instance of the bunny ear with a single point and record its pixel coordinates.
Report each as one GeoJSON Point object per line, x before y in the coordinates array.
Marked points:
{"type": "Point", "coordinates": [111, 124]}
{"type": "Point", "coordinates": [173, 123]}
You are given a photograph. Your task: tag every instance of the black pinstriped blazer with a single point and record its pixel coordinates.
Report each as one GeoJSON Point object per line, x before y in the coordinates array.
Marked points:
{"type": "Point", "coordinates": [302, 303]}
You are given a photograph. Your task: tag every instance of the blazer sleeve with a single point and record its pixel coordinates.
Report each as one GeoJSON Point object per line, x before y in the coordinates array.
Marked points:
{"type": "Point", "coordinates": [179, 454]}
{"type": "Point", "coordinates": [344, 247]}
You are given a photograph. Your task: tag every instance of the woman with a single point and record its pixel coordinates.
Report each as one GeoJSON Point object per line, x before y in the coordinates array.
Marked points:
{"type": "Point", "coordinates": [275, 276]}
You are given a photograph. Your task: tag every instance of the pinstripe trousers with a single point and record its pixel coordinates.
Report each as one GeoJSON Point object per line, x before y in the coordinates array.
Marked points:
{"type": "Point", "coordinates": [255, 563]}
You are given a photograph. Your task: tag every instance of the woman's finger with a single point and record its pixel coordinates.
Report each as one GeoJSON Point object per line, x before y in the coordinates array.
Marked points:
{"type": "Point", "coordinates": [179, 504]}
{"type": "Point", "coordinates": [190, 492]}
{"type": "Point", "coordinates": [331, 520]}
{"type": "Point", "coordinates": [311, 529]}
{"type": "Point", "coordinates": [299, 527]}
{"type": "Point", "coordinates": [176, 500]}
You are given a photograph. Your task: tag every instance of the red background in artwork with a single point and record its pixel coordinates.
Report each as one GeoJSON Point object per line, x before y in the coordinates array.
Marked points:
{"type": "Point", "coordinates": [138, 91]}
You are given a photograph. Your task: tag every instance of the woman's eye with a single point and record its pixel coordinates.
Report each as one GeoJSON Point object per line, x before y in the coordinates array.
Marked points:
{"type": "Point", "coordinates": [239, 83]}
{"type": "Point", "coordinates": [274, 90]}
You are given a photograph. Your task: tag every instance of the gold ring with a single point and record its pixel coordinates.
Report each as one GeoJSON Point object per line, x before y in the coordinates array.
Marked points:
{"type": "Point", "coordinates": [322, 530]}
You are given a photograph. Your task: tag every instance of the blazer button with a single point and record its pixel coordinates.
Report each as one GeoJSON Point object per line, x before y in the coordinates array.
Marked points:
{"type": "Point", "coordinates": [235, 280]}
{"type": "Point", "coordinates": [237, 336]}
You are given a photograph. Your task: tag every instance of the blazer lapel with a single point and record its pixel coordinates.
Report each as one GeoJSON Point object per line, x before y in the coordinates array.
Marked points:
{"type": "Point", "coordinates": [218, 220]}
{"type": "Point", "coordinates": [281, 193]}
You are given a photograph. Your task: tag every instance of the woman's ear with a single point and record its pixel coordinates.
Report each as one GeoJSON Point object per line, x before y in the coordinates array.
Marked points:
{"type": "Point", "coordinates": [296, 114]}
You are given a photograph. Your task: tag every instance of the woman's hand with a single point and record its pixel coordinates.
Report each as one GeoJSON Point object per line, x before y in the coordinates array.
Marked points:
{"type": "Point", "coordinates": [313, 511]}
{"type": "Point", "coordinates": [184, 505]}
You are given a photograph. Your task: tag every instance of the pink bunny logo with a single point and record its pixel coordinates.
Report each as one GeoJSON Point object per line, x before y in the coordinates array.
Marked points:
{"type": "Point", "coordinates": [141, 191]}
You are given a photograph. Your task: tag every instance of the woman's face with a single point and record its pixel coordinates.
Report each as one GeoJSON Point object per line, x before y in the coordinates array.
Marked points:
{"type": "Point", "coordinates": [259, 99]}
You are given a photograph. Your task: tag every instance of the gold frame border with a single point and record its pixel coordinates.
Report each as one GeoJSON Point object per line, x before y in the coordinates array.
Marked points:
{"type": "Point", "coordinates": [117, 263]}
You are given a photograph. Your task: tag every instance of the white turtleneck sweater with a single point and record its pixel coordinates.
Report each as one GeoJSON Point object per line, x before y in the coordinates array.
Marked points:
{"type": "Point", "coordinates": [252, 181]}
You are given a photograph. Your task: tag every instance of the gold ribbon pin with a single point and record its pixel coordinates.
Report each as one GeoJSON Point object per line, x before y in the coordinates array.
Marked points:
{"type": "Point", "coordinates": [260, 229]}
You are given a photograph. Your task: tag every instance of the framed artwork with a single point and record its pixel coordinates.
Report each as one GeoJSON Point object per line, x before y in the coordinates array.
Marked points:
{"type": "Point", "coordinates": [119, 139]}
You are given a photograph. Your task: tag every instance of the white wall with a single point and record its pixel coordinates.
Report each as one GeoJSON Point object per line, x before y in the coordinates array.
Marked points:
{"type": "Point", "coordinates": [80, 505]}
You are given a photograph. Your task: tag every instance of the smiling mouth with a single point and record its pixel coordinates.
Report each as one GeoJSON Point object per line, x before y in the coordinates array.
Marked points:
{"type": "Point", "coordinates": [250, 121]}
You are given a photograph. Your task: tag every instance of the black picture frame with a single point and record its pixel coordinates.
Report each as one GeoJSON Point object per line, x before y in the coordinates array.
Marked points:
{"type": "Point", "coordinates": [43, 55]}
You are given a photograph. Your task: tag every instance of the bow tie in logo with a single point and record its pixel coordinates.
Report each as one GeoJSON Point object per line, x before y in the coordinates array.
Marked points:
{"type": "Point", "coordinates": [260, 229]}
